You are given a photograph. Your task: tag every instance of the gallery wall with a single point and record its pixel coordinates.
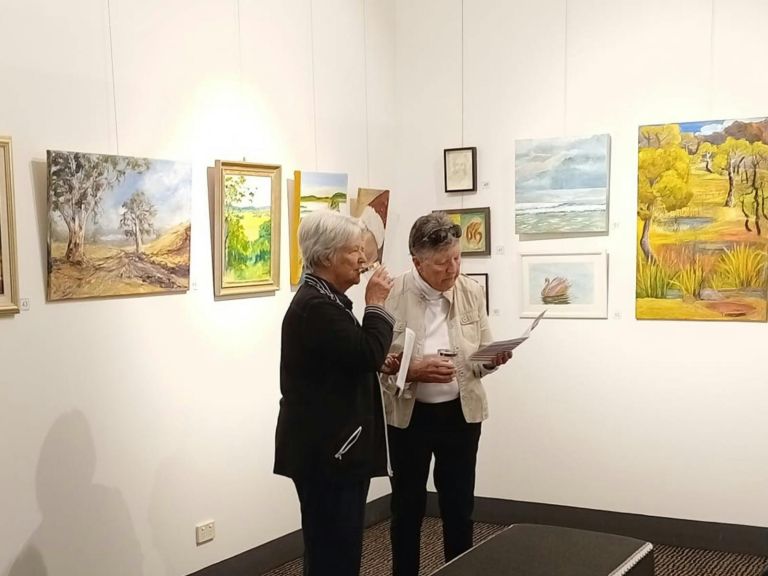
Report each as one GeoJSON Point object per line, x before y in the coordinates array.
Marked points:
{"type": "Point", "coordinates": [655, 417]}
{"type": "Point", "coordinates": [125, 422]}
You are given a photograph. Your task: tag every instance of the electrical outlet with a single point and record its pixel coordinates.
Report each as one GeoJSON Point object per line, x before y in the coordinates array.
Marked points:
{"type": "Point", "coordinates": [24, 304]}
{"type": "Point", "coordinates": [205, 532]}
{"type": "Point", "coordinates": [499, 250]}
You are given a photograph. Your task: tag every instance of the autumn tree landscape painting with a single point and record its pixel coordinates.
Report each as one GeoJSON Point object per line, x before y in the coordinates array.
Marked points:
{"type": "Point", "coordinates": [702, 222]}
{"type": "Point", "coordinates": [118, 225]}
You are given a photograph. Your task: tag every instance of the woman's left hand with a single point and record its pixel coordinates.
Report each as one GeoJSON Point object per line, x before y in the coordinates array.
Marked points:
{"type": "Point", "coordinates": [391, 364]}
{"type": "Point", "coordinates": [501, 359]}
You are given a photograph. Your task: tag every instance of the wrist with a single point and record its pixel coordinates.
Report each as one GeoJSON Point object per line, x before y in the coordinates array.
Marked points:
{"type": "Point", "coordinates": [379, 303]}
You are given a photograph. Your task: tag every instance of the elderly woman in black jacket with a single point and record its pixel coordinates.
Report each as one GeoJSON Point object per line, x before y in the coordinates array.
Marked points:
{"type": "Point", "coordinates": [331, 435]}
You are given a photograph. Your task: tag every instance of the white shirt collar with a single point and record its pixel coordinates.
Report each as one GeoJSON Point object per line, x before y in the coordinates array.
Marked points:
{"type": "Point", "coordinates": [425, 289]}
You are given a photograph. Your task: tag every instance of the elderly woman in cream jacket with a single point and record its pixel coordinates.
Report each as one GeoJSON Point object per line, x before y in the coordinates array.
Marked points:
{"type": "Point", "coordinates": [439, 413]}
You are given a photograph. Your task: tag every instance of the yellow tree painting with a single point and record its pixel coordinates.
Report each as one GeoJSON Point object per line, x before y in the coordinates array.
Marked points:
{"type": "Point", "coordinates": [702, 222]}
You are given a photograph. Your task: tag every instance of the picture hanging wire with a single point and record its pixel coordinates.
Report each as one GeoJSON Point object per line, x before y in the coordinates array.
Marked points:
{"type": "Point", "coordinates": [112, 70]}
{"type": "Point", "coordinates": [365, 85]}
{"type": "Point", "coordinates": [314, 85]}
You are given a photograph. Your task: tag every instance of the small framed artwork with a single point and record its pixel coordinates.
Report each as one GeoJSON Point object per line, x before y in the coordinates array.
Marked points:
{"type": "Point", "coordinates": [246, 229]}
{"type": "Point", "coordinates": [9, 289]}
{"type": "Point", "coordinates": [476, 229]}
{"type": "Point", "coordinates": [482, 279]}
{"type": "Point", "coordinates": [460, 169]}
{"type": "Point", "coordinates": [566, 285]}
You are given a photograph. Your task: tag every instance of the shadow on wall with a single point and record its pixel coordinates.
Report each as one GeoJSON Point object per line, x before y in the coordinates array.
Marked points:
{"type": "Point", "coordinates": [86, 529]}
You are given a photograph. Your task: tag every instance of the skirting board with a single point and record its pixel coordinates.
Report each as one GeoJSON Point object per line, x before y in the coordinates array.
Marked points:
{"type": "Point", "coordinates": [671, 531]}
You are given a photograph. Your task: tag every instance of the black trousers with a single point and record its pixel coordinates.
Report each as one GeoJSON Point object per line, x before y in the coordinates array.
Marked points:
{"type": "Point", "coordinates": [332, 522]}
{"type": "Point", "coordinates": [439, 430]}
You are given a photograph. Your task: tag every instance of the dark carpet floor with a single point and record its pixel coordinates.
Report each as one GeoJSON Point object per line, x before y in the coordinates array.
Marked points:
{"type": "Point", "coordinates": [670, 561]}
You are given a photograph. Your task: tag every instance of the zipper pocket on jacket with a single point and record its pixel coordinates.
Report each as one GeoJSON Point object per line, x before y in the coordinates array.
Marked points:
{"type": "Point", "coordinates": [349, 443]}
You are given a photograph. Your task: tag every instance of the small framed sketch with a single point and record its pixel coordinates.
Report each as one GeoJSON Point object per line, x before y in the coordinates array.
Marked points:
{"type": "Point", "coordinates": [9, 289]}
{"type": "Point", "coordinates": [566, 285]}
{"type": "Point", "coordinates": [476, 229]}
{"type": "Point", "coordinates": [482, 279]}
{"type": "Point", "coordinates": [246, 229]}
{"type": "Point", "coordinates": [460, 169]}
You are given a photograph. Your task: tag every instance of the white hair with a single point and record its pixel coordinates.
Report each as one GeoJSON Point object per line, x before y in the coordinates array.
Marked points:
{"type": "Point", "coordinates": [322, 233]}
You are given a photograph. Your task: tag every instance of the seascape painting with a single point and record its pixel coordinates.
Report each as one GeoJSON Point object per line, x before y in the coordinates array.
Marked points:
{"type": "Point", "coordinates": [118, 225]}
{"type": "Point", "coordinates": [701, 220]}
{"type": "Point", "coordinates": [561, 185]}
{"type": "Point", "coordinates": [312, 191]}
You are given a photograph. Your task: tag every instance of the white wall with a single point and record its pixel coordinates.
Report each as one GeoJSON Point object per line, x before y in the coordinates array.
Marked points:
{"type": "Point", "coordinates": [124, 422]}
{"type": "Point", "coordinates": [659, 418]}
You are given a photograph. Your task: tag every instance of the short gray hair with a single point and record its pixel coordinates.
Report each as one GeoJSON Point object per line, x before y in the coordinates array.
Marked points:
{"type": "Point", "coordinates": [418, 244]}
{"type": "Point", "coordinates": [322, 233]}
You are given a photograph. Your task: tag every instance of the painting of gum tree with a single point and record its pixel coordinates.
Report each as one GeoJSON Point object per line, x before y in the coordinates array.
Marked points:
{"type": "Point", "coordinates": [247, 228]}
{"type": "Point", "coordinates": [118, 225]}
{"type": "Point", "coordinates": [701, 216]}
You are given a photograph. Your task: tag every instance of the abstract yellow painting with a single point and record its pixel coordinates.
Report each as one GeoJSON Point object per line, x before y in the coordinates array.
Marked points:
{"type": "Point", "coordinates": [702, 221]}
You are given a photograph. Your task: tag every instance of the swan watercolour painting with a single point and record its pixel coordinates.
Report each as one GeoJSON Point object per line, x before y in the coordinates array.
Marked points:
{"type": "Point", "coordinates": [566, 285]}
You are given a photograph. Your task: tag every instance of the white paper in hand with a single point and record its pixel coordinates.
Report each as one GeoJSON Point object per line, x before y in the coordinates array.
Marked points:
{"type": "Point", "coordinates": [494, 348]}
{"type": "Point", "coordinates": [405, 361]}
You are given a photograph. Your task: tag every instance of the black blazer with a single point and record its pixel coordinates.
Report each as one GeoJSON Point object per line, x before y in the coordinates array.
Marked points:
{"type": "Point", "coordinates": [331, 420]}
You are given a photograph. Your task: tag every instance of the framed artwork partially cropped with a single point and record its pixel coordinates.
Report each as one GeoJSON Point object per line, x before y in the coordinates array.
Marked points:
{"type": "Point", "coordinates": [482, 279]}
{"type": "Point", "coordinates": [565, 285]}
{"type": "Point", "coordinates": [460, 169]}
{"type": "Point", "coordinates": [246, 229]}
{"type": "Point", "coordinates": [9, 289]}
{"type": "Point", "coordinates": [476, 229]}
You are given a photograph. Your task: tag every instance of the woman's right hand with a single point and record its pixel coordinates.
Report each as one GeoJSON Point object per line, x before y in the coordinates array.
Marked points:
{"type": "Point", "coordinates": [378, 287]}
{"type": "Point", "coordinates": [433, 369]}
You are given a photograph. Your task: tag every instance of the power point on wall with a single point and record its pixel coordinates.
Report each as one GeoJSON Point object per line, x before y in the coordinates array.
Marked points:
{"type": "Point", "coordinates": [496, 312]}
{"type": "Point", "coordinates": [617, 315]}
{"type": "Point", "coordinates": [499, 250]}
{"type": "Point", "coordinates": [205, 532]}
{"type": "Point", "coordinates": [485, 185]}
{"type": "Point", "coordinates": [193, 285]}
{"type": "Point", "coordinates": [24, 304]}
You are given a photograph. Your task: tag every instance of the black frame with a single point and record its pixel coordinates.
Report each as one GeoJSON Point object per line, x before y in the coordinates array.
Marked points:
{"type": "Point", "coordinates": [487, 299]}
{"type": "Point", "coordinates": [473, 167]}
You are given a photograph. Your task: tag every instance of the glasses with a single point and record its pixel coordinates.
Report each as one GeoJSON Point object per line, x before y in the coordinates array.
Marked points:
{"type": "Point", "coordinates": [440, 235]}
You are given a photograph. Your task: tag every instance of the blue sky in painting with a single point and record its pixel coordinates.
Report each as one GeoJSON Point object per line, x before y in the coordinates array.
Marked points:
{"type": "Point", "coordinates": [168, 186]}
{"type": "Point", "coordinates": [560, 164]}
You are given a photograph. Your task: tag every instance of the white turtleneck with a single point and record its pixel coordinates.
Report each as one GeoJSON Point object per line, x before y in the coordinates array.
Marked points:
{"type": "Point", "coordinates": [435, 337]}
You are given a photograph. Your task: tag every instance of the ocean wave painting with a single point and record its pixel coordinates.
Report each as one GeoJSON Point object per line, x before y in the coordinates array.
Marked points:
{"type": "Point", "coordinates": [561, 185]}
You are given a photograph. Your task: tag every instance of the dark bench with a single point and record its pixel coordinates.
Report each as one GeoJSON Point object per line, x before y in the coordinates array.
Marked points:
{"type": "Point", "coordinates": [535, 550]}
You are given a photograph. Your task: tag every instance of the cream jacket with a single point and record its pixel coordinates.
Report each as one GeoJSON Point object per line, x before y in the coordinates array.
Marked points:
{"type": "Point", "coordinates": [468, 330]}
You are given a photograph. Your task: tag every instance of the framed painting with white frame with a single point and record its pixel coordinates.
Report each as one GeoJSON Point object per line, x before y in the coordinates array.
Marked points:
{"type": "Point", "coordinates": [460, 169]}
{"type": "Point", "coordinates": [482, 279]}
{"type": "Point", "coordinates": [246, 229]}
{"type": "Point", "coordinates": [9, 287]}
{"type": "Point", "coordinates": [566, 285]}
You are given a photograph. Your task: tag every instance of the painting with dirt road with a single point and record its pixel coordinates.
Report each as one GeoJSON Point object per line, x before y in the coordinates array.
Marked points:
{"type": "Point", "coordinates": [118, 225]}
{"type": "Point", "coordinates": [702, 222]}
